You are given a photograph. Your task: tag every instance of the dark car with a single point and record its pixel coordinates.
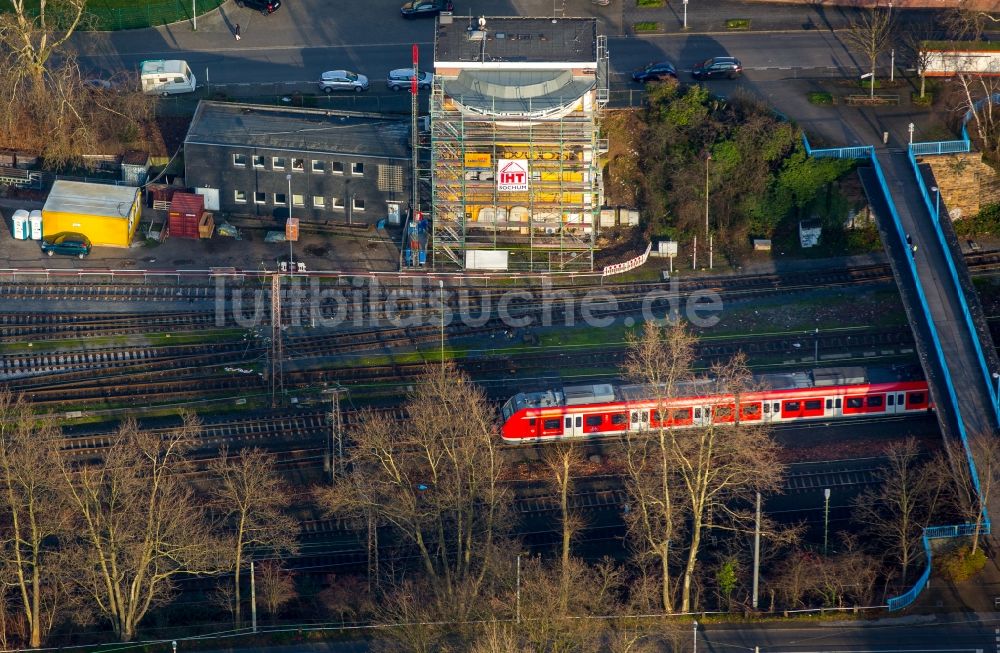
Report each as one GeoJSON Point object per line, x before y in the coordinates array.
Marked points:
{"type": "Point", "coordinates": [419, 8]}
{"type": "Point", "coordinates": [655, 72]}
{"type": "Point", "coordinates": [728, 67]}
{"type": "Point", "coordinates": [263, 6]}
{"type": "Point", "coordinates": [68, 243]}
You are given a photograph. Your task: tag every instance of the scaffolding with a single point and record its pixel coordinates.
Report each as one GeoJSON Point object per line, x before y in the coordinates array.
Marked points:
{"type": "Point", "coordinates": [554, 224]}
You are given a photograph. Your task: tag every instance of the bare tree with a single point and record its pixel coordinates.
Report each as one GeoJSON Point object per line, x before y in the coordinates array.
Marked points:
{"type": "Point", "coordinates": [984, 449]}
{"type": "Point", "coordinates": [976, 92]}
{"type": "Point", "coordinates": [34, 31]}
{"type": "Point", "coordinates": [913, 44]}
{"type": "Point", "coordinates": [896, 512]}
{"type": "Point", "coordinates": [662, 359]}
{"type": "Point", "coordinates": [36, 519]}
{"type": "Point", "coordinates": [964, 22]}
{"type": "Point", "coordinates": [277, 587]}
{"type": "Point", "coordinates": [870, 35]}
{"type": "Point", "coordinates": [436, 479]}
{"type": "Point", "coordinates": [563, 461]}
{"type": "Point", "coordinates": [250, 499]}
{"type": "Point", "coordinates": [139, 522]}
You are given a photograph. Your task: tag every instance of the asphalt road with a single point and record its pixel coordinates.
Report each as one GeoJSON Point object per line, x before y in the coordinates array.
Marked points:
{"type": "Point", "coordinates": [305, 38]}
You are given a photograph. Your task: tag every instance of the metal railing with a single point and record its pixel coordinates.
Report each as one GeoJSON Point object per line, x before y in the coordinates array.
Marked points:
{"type": "Point", "coordinates": [934, 532]}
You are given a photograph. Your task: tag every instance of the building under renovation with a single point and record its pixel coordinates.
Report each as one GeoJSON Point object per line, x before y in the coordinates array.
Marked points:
{"type": "Point", "coordinates": [516, 181]}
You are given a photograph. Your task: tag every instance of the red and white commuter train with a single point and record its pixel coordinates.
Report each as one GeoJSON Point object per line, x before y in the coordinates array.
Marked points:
{"type": "Point", "coordinates": [606, 409]}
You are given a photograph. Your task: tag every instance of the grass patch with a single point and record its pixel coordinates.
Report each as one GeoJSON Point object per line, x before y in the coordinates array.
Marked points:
{"type": "Point", "coordinates": [738, 24]}
{"type": "Point", "coordinates": [649, 3]}
{"type": "Point", "coordinates": [867, 83]}
{"type": "Point", "coordinates": [647, 26]}
{"type": "Point", "coordinates": [925, 101]}
{"type": "Point", "coordinates": [820, 97]}
{"type": "Point", "coordinates": [961, 564]}
{"type": "Point", "coordinates": [111, 15]}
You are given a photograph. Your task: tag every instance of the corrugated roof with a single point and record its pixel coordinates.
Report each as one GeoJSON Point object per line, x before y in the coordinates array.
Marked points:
{"type": "Point", "coordinates": [303, 130]}
{"type": "Point", "coordinates": [90, 199]}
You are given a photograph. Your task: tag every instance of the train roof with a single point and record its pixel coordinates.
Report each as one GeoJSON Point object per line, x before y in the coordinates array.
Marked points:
{"type": "Point", "coordinates": [599, 393]}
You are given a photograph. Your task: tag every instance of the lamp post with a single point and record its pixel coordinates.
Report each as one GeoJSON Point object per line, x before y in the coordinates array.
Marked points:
{"type": "Point", "coordinates": [910, 129]}
{"type": "Point", "coordinates": [288, 177]}
{"type": "Point", "coordinates": [695, 626]}
{"type": "Point", "coordinates": [708, 158]}
{"type": "Point", "coordinates": [892, 63]}
{"type": "Point", "coordinates": [826, 517]}
{"type": "Point", "coordinates": [194, 15]}
{"type": "Point", "coordinates": [997, 377]}
{"type": "Point", "coordinates": [937, 203]}
{"type": "Point", "coordinates": [685, 14]}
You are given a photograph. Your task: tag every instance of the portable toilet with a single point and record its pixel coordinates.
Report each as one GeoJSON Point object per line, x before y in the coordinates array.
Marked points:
{"type": "Point", "coordinates": [35, 220]}
{"type": "Point", "coordinates": [21, 225]}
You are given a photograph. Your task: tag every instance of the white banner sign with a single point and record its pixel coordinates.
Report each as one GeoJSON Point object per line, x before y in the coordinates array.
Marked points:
{"type": "Point", "coordinates": [512, 175]}
{"type": "Point", "coordinates": [631, 264]}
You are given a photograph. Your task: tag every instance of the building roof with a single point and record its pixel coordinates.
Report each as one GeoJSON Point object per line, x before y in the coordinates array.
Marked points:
{"type": "Point", "coordinates": [517, 92]}
{"type": "Point", "coordinates": [299, 130]}
{"type": "Point", "coordinates": [515, 39]}
{"type": "Point", "coordinates": [90, 199]}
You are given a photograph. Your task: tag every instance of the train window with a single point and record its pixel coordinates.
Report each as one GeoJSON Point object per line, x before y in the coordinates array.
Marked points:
{"type": "Point", "coordinates": [899, 399]}
{"type": "Point", "coordinates": [855, 402]}
{"type": "Point", "coordinates": [890, 400]}
{"type": "Point", "coordinates": [594, 420]}
{"type": "Point", "coordinates": [791, 405]}
{"type": "Point", "coordinates": [579, 421]}
{"type": "Point", "coordinates": [645, 417]}
{"type": "Point", "coordinates": [750, 409]}
{"type": "Point", "coordinates": [917, 398]}
{"type": "Point", "coordinates": [656, 416]}
{"type": "Point", "coordinates": [814, 404]}
{"type": "Point", "coordinates": [697, 413]}
{"type": "Point", "coordinates": [776, 408]}
{"type": "Point", "coordinates": [837, 402]}
{"type": "Point", "coordinates": [874, 402]}
{"type": "Point", "coordinates": [767, 408]}
{"type": "Point", "coordinates": [532, 421]}
{"type": "Point", "coordinates": [682, 414]}
{"type": "Point", "coordinates": [619, 418]}
{"type": "Point", "coordinates": [635, 417]}
{"type": "Point", "coordinates": [723, 411]}
{"type": "Point", "coordinates": [569, 422]}
{"type": "Point", "coordinates": [829, 404]}
{"type": "Point", "coordinates": [550, 424]}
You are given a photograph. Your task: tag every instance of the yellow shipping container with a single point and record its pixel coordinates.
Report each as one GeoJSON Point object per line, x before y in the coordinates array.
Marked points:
{"type": "Point", "coordinates": [107, 215]}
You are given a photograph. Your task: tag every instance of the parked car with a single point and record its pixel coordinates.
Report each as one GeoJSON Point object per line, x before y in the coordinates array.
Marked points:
{"type": "Point", "coordinates": [68, 243]}
{"type": "Point", "coordinates": [265, 7]}
{"type": "Point", "coordinates": [716, 67]}
{"type": "Point", "coordinates": [655, 72]}
{"type": "Point", "coordinates": [420, 8]}
{"type": "Point", "coordinates": [401, 78]}
{"type": "Point", "coordinates": [342, 80]}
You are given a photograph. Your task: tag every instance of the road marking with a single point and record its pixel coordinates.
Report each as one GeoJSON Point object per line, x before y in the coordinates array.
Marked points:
{"type": "Point", "coordinates": [230, 50]}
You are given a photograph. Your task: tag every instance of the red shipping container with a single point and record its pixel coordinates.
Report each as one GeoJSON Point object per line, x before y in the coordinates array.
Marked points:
{"type": "Point", "coordinates": [185, 212]}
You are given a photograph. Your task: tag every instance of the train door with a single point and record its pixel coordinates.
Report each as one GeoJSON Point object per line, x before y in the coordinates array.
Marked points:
{"type": "Point", "coordinates": [573, 425]}
{"type": "Point", "coordinates": [895, 402]}
{"type": "Point", "coordinates": [771, 410]}
{"type": "Point", "coordinates": [638, 420]}
{"type": "Point", "coordinates": [702, 415]}
{"type": "Point", "coordinates": [834, 407]}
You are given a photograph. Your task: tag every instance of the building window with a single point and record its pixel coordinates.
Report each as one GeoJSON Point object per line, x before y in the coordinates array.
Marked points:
{"type": "Point", "coordinates": [278, 162]}
{"type": "Point", "coordinates": [299, 165]}
{"type": "Point", "coordinates": [319, 166]}
{"type": "Point", "coordinates": [357, 204]}
{"type": "Point", "coordinates": [298, 200]}
{"type": "Point", "coordinates": [259, 198]}
{"type": "Point", "coordinates": [240, 197]}
{"type": "Point", "coordinates": [337, 202]}
{"type": "Point", "coordinates": [337, 168]}
{"type": "Point", "coordinates": [240, 160]}
{"type": "Point", "coordinates": [258, 161]}
{"type": "Point", "coordinates": [357, 168]}
{"type": "Point", "coordinates": [390, 179]}
{"type": "Point", "coordinates": [319, 202]}
{"type": "Point", "coordinates": [280, 199]}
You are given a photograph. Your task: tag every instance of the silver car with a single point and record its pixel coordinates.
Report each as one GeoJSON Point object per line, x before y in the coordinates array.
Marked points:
{"type": "Point", "coordinates": [403, 78]}
{"type": "Point", "coordinates": [342, 80]}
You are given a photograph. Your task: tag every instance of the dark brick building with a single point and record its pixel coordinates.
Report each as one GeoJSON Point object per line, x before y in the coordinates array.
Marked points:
{"type": "Point", "coordinates": [344, 166]}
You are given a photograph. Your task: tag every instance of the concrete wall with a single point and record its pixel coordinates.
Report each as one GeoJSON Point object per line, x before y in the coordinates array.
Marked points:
{"type": "Point", "coordinates": [967, 184]}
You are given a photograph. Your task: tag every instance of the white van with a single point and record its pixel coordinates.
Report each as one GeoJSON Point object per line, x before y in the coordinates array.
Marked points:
{"type": "Point", "coordinates": [166, 77]}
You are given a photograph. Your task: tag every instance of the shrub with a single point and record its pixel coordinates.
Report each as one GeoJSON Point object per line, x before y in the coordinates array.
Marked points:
{"type": "Point", "coordinates": [738, 23]}
{"type": "Point", "coordinates": [925, 101]}
{"type": "Point", "coordinates": [820, 97]}
{"type": "Point", "coordinates": [646, 26]}
{"type": "Point", "coordinates": [649, 3]}
{"type": "Point", "coordinates": [961, 564]}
